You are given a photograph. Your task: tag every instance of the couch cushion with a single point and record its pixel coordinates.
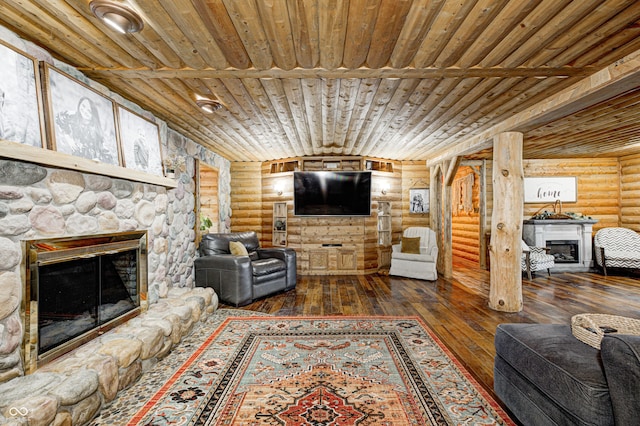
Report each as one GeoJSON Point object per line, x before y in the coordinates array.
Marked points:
{"type": "Point", "coordinates": [267, 266]}
{"type": "Point", "coordinates": [237, 248]}
{"type": "Point", "coordinates": [561, 367]}
{"type": "Point", "coordinates": [410, 245]}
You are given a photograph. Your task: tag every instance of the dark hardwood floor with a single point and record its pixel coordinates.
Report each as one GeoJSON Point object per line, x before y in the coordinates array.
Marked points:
{"type": "Point", "coordinates": [456, 310]}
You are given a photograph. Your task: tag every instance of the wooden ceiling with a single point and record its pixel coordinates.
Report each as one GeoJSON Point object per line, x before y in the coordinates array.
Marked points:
{"type": "Point", "coordinates": [398, 79]}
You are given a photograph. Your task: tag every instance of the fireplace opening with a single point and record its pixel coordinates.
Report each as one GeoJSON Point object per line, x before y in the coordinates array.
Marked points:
{"type": "Point", "coordinates": [564, 251]}
{"type": "Point", "coordinates": [78, 288]}
{"type": "Point", "coordinates": [67, 310]}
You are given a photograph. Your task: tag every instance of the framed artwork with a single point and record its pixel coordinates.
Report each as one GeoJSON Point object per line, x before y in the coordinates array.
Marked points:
{"type": "Point", "coordinates": [82, 121]}
{"type": "Point", "coordinates": [21, 113]}
{"type": "Point", "coordinates": [419, 200]}
{"type": "Point", "coordinates": [550, 189]}
{"type": "Point", "coordinates": [140, 142]}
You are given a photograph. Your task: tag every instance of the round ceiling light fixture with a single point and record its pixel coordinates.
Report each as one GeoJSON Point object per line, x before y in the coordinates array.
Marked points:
{"type": "Point", "coordinates": [208, 105]}
{"type": "Point", "coordinates": [117, 16]}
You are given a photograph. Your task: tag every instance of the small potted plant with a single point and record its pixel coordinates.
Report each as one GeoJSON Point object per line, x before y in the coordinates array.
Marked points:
{"type": "Point", "coordinates": [205, 223]}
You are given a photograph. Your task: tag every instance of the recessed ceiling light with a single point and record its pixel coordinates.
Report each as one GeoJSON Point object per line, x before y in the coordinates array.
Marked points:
{"type": "Point", "coordinates": [117, 16]}
{"type": "Point", "coordinates": [208, 105]}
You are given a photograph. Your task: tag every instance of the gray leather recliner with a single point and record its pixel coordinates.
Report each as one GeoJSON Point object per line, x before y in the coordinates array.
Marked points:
{"type": "Point", "coordinates": [239, 280]}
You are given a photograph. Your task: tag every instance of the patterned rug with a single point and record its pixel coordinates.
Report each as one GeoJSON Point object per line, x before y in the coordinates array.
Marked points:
{"type": "Point", "coordinates": [320, 371]}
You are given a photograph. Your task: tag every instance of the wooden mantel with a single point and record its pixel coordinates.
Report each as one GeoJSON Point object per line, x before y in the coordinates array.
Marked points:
{"type": "Point", "coordinates": [46, 157]}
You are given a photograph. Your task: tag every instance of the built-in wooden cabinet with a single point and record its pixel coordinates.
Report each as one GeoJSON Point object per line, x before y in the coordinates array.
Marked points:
{"type": "Point", "coordinates": [332, 163]}
{"type": "Point", "coordinates": [379, 165]}
{"type": "Point", "coordinates": [384, 223]}
{"type": "Point", "coordinates": [329, 260]}
{"type": "Point", "coordinates": [284, 166]}
{"type": "Point", "coordinates": [279, 232]}
{"type": "Point", "coordinates": [334, 245]}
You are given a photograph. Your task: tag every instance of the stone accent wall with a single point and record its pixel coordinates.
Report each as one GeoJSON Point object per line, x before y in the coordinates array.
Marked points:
{"type": "Point", "coordinates": [38, 202]}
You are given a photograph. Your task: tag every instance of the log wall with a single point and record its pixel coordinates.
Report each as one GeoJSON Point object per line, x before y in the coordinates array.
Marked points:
{"type": "Point", "coordinates": [598, 193]}
{"type": "Point", "coordinates": [605, 192]}
{"type": "Point", "coordinates": [465, 224]}
{"type": "Point", "coordinates": [602, 194]}
{"type": "Point", "coordinates": [630, 192]}
{"type": "Point", "coordinates": [415, 174]}
{"type": "Point", "coordinates": [246, 197]}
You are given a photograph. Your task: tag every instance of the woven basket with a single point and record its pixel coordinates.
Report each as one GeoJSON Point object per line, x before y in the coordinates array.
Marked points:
{"type": "Point", "coordinates": [591, 328]}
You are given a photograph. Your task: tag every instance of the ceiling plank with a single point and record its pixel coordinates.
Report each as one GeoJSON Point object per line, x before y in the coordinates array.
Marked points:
{"type": "Point", "coordinates": [362, 18]}
{"type": "Point", "coordinates": [247, 23]}
{"type": "Point", "coordinates": [419, 19]}
{"type": "Point", "coordinates": [218, 23]}
{"type": "Point", "coordinates": [447, 22]}
{"type": "Point", "coordinates": [479, 18]}
{"type": "Point", "coordinates": [204, 44]}
{"type": "Point", "coordinates": [276, 22]}
{"type": "Point", "coordinates": [619, 77]}
{"type": "Point", "coordinates": [305, 30]}
{"type": "Point", "coordinates": [332, 27]}
{"type": "Point", "coordinates": [388, 26]}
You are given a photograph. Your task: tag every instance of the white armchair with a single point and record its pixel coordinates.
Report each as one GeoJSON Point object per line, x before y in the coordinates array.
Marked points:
{"type": "Point", "coordinates": [420, 264]}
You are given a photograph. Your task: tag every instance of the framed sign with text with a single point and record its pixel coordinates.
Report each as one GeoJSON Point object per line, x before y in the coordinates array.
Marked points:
{"type": "Point", "coordinates": [550, 189]}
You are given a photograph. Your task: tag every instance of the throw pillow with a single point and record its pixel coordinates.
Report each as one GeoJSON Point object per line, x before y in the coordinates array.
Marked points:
{"type": "Point", "coordinates": [237, 248]}
{"type": "Point", "coordinates": [410, 245]}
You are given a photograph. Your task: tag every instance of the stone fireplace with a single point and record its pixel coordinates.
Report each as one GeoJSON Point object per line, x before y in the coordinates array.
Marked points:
{"type": "Point", "coordinates": [77, 288]}
{"type": "Point", "coordinates": [569, 240]}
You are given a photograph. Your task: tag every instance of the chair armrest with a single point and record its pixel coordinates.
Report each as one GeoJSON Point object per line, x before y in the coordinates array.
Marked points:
{"type": "Point", "coordinates": [621, 361]}
{"type": "Point", "coordinates": [288, 256]}
{"type": "Point", "coordinates": [230, 276]}
{"type": "Point", "coordinates": [396, 248]}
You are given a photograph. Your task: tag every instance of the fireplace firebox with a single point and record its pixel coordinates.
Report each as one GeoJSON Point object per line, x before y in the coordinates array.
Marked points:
{"type": "Point", "coordinates": [78, 288]}
{"type": "Point", "coordinates": [564, 251]}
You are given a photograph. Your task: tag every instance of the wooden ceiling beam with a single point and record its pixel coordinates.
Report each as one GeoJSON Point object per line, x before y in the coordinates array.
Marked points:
{"type": "Point", "coordinates": [363, 72]}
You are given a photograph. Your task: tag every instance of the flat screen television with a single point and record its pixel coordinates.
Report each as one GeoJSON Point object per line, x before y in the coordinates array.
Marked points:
{"type": "Point", "coordinates": [336, 193]}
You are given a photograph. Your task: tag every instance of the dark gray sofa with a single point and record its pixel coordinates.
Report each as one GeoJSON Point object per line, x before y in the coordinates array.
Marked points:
{"type": "Point", "coordinates": [545, 376]}
{"type": "Point", "coordinates": [239, 280]}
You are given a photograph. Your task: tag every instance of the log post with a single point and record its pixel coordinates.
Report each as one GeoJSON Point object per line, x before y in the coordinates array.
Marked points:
{"type": "Point", "coordinates": [435, 210]}
{"type": "Point", "coordinates": [505, 293]}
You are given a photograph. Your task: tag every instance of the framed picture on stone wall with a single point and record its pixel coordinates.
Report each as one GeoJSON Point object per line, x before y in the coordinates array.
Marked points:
{"type": "Point", "coordinates": [140, 142]}
{"type": "Point", "coordinates": [21, 113]}
{"type": "Point", "coordinates": [82, 121]}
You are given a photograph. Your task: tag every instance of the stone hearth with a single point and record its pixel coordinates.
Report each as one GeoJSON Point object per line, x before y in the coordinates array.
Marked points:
{"type": "Point", "coordinates": [72, 389]}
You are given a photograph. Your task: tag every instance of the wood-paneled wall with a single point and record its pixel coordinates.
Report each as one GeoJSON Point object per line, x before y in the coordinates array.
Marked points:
{"type": "Point", "coordinates": [630, 192]}
{"type": "Point", "coordinates": [465, 225]}
{"type": "Point", "coordinates": [246, 197]}
{"type": "Point", "coordinates": [598, 193]}
{"type": "Point", "coordinates": [415, 174]}
{"type": "Point", "coordinates": [607, 191]}
{"type": "Point", "coordinates": [602, 194]}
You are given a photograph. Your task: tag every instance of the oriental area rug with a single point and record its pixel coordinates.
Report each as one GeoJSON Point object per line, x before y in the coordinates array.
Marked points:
{"type": "Point", "coordinates": [320, 371]}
